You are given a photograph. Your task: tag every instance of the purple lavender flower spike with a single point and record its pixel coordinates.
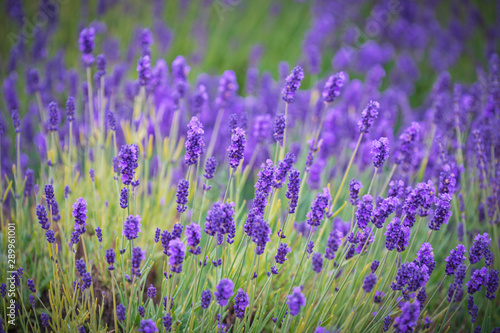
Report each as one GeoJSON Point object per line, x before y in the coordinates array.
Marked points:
{"type": "Point", "coordinates": [138, 255]}
{"type": "Point", "coordinates": [195, 143]}
{"type": "Point", "coordinates": [317, 262]}
{"type": "Point", "coordinates": [364, 211]}
{"type": "Point", "coordinates": [374, 266]}
{"type": "Point", "coordinates": [228, 86]}
{"type": "Point", "coordinates": [206, 299]}
{"type": "Point", "coordinates": [98, 233]}
{"type": "Point", "coordinates": [241, 302]}
{"type": "Point", "coordinates": [49, 195]}
{"type": "Point", "coordinates": [295, 301]}
{"type": "Point", "coordinates": [224, 291]}
{"type": "Point", "coordinates": [80, 214]}
{"type": "Point", "coordinates": [397, 236]}
{"type": "Point", "coordinates": [32, 81]}
{"type": "Point", "coordinates": [318, 208]}
{"type": "Point", "coordinates": [480, 248]}
{"type": "Point", "coordinates": [200, 98]}
{"type": "Point", "coordinates": [132, 227]}
{"type": "Point", "coordinates": [368, 116]}
{"type": "Point", "coordinates": [111, 121]}
{"type": "Point", "coordinates": [380, 151]}
{"type": "Point", "coordinates": [237, 147]}
{"type": "Point", "coordinates": [144, 70]}
{"type": "Point", "coordinates": [129, 155]}
{"type": "Point", "coordinates": [124, 198]}
{"type": "Point", "coordinates": [382, 211]}
{"type": "Point", "coordinates": [447, 181]}
{"type": "Point", "coordinates": [332, 87]}
{"type": "Point", "coordinates": [120, 312]}
{"type": "Point", "coordinates": [193, 236]}
{"type": "Point", "coordinates": [261, 128]}
{"type": "Point", "coordinates": [86, 42]}
{"type": "Point", "coordinates": [260, 234]}
{"type": "Point", "coordinates": [210, 167]}
{"type": "Point", "coordinates": [283, 169]}
{"type": "Point", "coordinates": [70, 109]}
{"type": "Point", "coordinates": [282, 251]}
{"type": "Point", "coordinates": [110, 258]}
{"type": "Point", "coordinates": [442, 213]}
{"type": "Point", "coordinates": [50, 236]}
{"type": "Point", "coordinates": [473, 309]}
{"type": "Point", "coordinates": [456, 257]}
{"type": "Point", "coordinates": [180, 71]}
{"type": "Point", "coordinates": [354, 187]}
{"type": "Point", "coordinates": [425, 256]}
{"type": "Point", "coordinates": [491, 284]}
{"type": "Point", "coordinates": [477, 280]}
{"type": "Point", "coordinates": [292, 84]}
{"type": "Point", "coordinates": [369, 282]}
{"type": "Point", "coordinates": [43, 219]}
{"type": "Point", "coordinates": [279, 128]}
{"type": "Point", "coordinates": [332, 244]}
{"type": "Point", "coordinates": [408, 318]}
{"type": "Point", "coordinates": [147, 326]}
{"type": "Point", "coordinates": [182, 194]}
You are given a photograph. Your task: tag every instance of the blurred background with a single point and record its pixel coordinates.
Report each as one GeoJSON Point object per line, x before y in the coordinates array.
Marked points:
{"type": "Point", "coordinates": [412, 39]}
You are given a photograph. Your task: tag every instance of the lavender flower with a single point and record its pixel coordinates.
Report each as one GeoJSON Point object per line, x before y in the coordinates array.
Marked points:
{"type": "Point", "coordinates": [318, 207]}
{"type": "Point", "coordinates": [111, 120]}
{"type": "Point", "coordinates": [195, 143]}
{"type": "Point", "coordinates": [16, 121]}
{"type": "Point", "coordinates": [132, 227]}
{"type": "Point", "coordinates": [144, 70]}
{"type": "Point", "coordinates": [124, 198]}
{"type": "Point", "coordinates": [369, 282]}
{"type": "Point", "coordinates": [387, 323]}
{"type": "Point", "coordinates": [50, 236]}
{"type": "Point", "coordinates": [151, 291]}
{"type": "Point", "coordinates": [110, 258]}
{"type": "Point", "coordinates": [49, 195]}
{"type": "Point", "coordinates": [380, 151]}
{"type": "Point", "coordinates": [237, 147]}
{"type": "Point", "coordinates": [138, 255]}
{"type": "Point", "coordinates": [456, 257]}
{"type": "Point", "coordinates": [220, 222]}
{"type": "Point", "coordinates": [224, 291]}
{"type": "Point", "coordinates": [477, 280]}
{"type": "Point", "coordinates": [473, 309]}
{"type": "Point", "coordinates": [447, 181]}
{"type": "Point", "coordinates": [193, 235]}
{"type": "Point", "coordinates": [260, 234]}
{"type": "Point", "coordinates": [98, 233]}
{"type": "Point", "coordinates": [382, 211]}
{"type": "Point", "coordinates": [364, 211]}
{"type": "Point", "coordinates": [206, 299]}
{"type": "Point", "coordinates": [480, 248]}
{"type": "Point", "coordinates": [53, 117]}
{"type": "Point", "coordinates": [408, 317]}
{"type": "Point", "coordinates": [332, 244]}
{"type": "Point", "coordinates": [368, 116]}
{"type": "Point", "coordinates": [262, 125]}
{"type": "Point", "coordinates": [43, 219]}
{"type": "Point", "coordinates": [425, 256]}
{"type": "Point", "coordinates": [120, 312]}
{"type": "Point", "coordinates": [227, 88]}
{"type": "Point", "coordinates": [374, 266]}
{"type": "Point", "coordinates": [491, 284]}
{"type": "Point", "coordinates": [86, 42]}
{"type": "Point", "coordinates": [282, 251]}
{"type": "Point", "coordinates": [354, 187]}
{"type": "Point", "coordinates": [177, 252]}
{"type": "Point", "coordinates": [292, 193]}
{"type": "Point", "coordinates": [378, 296]}
{"type": "Point", "coordinates": [282, 170]}
{"type": "Point", "coordinates": [292, 84]}
{"type": "Point", "coordinates": [31, 286]}
{"type": "Point", "coordinates": [279, 128]}
{"type": "Point", "coordinates": [397, 236]}
{"type": "Point", "coordinates": [70, 109]}
{"type": "Point", "coordinates": [167, 322]}
{"type": "Point", "coordinates": [210, 167]}
{"type": "Point", "coordinates": [80, 214]}
{"type": "Point", "coordinates": [241, 301]}
{"type": "Point", "coordinates": [295, 301]}
{"type": "Point", "coordinates": [199, 98]}
{"type": "Point", "coordinates": [182, 194]}
{"type": "Point", "coordinates": [44, 319]}
{"type": "Point", "coordinates": [129, 155]}
{"type": "Point", "coordinates": [332, 87]}
{"type": "Point", "coordinates": [442, 213]}
{"type": "Point", "coordinates": [317, 262]}
{"type": "Point", "coordinates": [410, 277]}
{"type": "Point", "coordinates": [32, 81]}
{"type": "Point", "coordinates": [180, 71]}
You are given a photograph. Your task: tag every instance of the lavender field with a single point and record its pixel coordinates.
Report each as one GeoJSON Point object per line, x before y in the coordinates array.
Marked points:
{"type": "Point", "coordinates": [249, 166]}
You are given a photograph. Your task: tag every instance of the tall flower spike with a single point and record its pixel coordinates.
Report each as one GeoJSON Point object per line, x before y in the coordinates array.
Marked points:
{"type": "Point", "coordinates": [177, 252]}
{"type": "Point", "coordinates": [380, 151]}
{"type": "Point", "coordinates": [70, 109]}
{"type": "Point", "coordinates": [442, 213]}
{"type": "Point", "coordinates": [182, 194]}
{"type": "Point", "coordinates": [180, 71]}
{"type": "Point", "coordinates": [129, 156]}
{"type": "Point", "coordinates": [368, 116]}
{"type": "Point", "coordinates": [332, 244]}
{"type": "Point", "coordinates": [295, 301]}
{"type": "Point", "coordinates": [86, 42]}
{"type": "Point", "coordinates": [53, 117]}
{"type": "Point", "coordinates": [227, 88]}
{"type": "Point", "coordinates": [195, 143]}
{"type": "Point", "coordinates": [237, 147]}
{"type": "Point", "coordinates": [292, 192]}
{"type": "Point", "coordinates": [292, 84]}
{"type": "Point", "coordinates": [132, 227]}
{"type": "Point", "coordinates": [456, 257]}
{"type": "Point", "coordinates": [354, 187]}
{"type": "Point", "coordinates": [364, 211]}
{"type": "Point", "coordinates": [332, 87]}
{"type": "Point", "coordinates": [210, 167]}
{"type": "Point", "coordinates": [318, 208]}
{"type": "Point", "coordinates": [241, 302]}
{"type": "Point", "coordinates": [224, 291]}
{"type": "Point", "coordinates": [144, 70]}
{"type": "Point", "coordinates": [279, 128]}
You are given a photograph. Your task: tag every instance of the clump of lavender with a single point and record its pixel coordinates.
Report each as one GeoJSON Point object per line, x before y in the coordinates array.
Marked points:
{"type": "Point", "coordinates": [241, 302]}
{"type": "Point", "coordinates": [182, 194]}
{"type": "Point", "coordinates": [132, 227]}
{"type": "Point", "coordinates": [380, 151]}
{"type": "Point", "coordinates": [282, 170]}
{"type": "Point", "coordinates": [369, 282]}
{"type": "Point", "coordinates": [260, 234]}
{"type": "Point", "coordinates": [404, 154]}
{"type": "Point", "coordinates": [237, 147]}
{"type": "Point", "coordinates": [292, 84]}
{"type": "Point", "coordinates": [129, 155]}
{"type": "Point", "coordinates": [282, 251]}
{"type": "Point", "coordinates": [455, 259]}
{"type": "Point", "coordinates": [491, 284]}
{"type": "Point", "coordinates": [397, 236]}
{"type": "Point", "coordinates": [332, 87]}
{"type": "Point", "coordinates": [408, 318]}
{"type": "Point", "coordinates": [138, 255]}
{"type": "Point", "coordinates": [43, 219]}
{"type": "Point", "coordinates": [227, 88]}
{"type": "Point", "coordinates": [368, 116]}
{"type": "Point", "coordinates": [477, 280]}
{"type": "Point", "coordinates": [279, 128]}
{"type": "Point", "coordinates": [144, 70]}
{"type": "Point", "coordinates": [195, 143]}
{"type": "Point", "coordinates": [447, 180]}
{"type": "Point", "coordinates": [224, 291]}
{"type": "Point", "coordinates": [80, 215]}
{"type": "Point", "coordinates": [206, 299]}
{"type": "Point", "coordinates": [383, 209]}
{"type": "Point", "coordinates": [296, 301]}
{"type": "Point", "coordinates": [86, 42]}
{"type": "Point", "coordinates": [318, 208]}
